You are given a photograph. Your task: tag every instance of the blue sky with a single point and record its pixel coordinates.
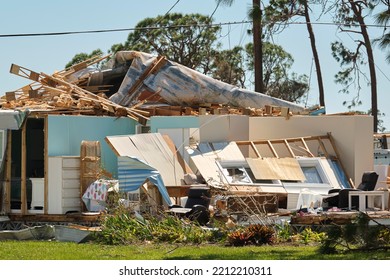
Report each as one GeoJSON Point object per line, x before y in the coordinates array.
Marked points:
{"type": "Point", "coordinates": [50, 53]}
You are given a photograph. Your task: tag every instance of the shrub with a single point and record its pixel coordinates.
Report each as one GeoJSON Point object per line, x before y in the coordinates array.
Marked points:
{"type": "Point", "coordinates": [123, 227]}
{"type": "Point", "coordinates": [240, 238]}
{"type": "Point", "coordinates": [262, 234]}
{"type": "Point", "coordinates": [283, 232]}
{"type": "Point", "coordinates": [357, 235]}
{"type": "Point", "coordinates": [255, 234]}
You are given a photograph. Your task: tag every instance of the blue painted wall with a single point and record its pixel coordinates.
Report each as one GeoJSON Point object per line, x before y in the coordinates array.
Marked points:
{"type": "Point", "coordinates": [65, 134]}
{"type": "Point", "coordinates": [157, 122]}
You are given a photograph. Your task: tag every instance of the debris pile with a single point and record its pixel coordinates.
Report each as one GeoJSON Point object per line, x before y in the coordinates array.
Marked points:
{"type": "Point", "coordinates": [55, 94]}
{"type": "Point", "coordinates": [137, 85]}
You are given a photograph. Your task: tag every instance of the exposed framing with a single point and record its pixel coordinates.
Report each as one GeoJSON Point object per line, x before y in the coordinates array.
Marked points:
{"type": "Point", "coordinates": [298, 146]}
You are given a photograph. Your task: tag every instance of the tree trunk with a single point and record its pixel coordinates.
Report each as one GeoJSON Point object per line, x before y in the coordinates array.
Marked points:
{"type": "Point", "coordinates": [258, 49]}
{"type": "Point", "coordinates": [371, 64]}
{"type": "Point", "coordinates": [315, 56]}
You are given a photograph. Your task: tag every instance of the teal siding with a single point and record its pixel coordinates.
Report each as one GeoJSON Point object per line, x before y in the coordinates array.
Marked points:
{"type": "Point", "coordinates": [157, 122]}
{"type": "Point", "coordinates": [65, 134]}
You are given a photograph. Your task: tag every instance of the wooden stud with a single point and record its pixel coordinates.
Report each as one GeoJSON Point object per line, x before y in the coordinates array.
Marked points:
{"type": "Point", "coordinates": [272, 149]}
{"type": "Point", "coordinates": [268, 109]}
{"type": "Point", "coordinates": [33, 93]}
{"type": "Point", "coordinates": [323, 147]}
{"type": "Point", "coordinates": [255, 149]}
{"type": "Point", "coordinates": [285, 112]}
{"type": "Point", "coordinates": [289, 148]}
{"type": "Point", "coordinates": [8, 173]}
{"type": "Point", "coordinates": [46, 166]}
{"type": "Point", "coordinates": [306, 147]}
{"type": "Point", "coordinates": [10, 96]}
{"type": "Point", "coordinates": [23, 171]}
{"type": "Point", "coordinates": [338, 160]}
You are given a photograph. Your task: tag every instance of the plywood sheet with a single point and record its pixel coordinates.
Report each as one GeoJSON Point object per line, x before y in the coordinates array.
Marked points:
{"type": "Point", "coordinates": [276, 169]}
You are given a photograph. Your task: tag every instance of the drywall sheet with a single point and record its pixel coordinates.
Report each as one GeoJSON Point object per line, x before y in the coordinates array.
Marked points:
{"type": "Point", "coordinates": [206, 154]}
{"type": "Point", "coordinates": [152, 149]}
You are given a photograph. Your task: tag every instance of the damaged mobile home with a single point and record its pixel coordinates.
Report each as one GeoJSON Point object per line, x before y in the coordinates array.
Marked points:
{"type": "Point", "coordinates": [160, 129]}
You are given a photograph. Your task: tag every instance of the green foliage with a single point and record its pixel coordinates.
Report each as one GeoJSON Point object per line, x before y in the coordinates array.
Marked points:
{"type": "Point", "coordinates": [123, 227]}
{"type": "Point", "coordinates": [228, 66]}
{"type": "Point", "coordinates": [383, 18]}
{"type": "Point", "coordinates": [283, 232]}
{"type": "Point", "coordinates": [186, 39]}
{"type": "Point", "coordinates": [278, 80]}
{"type": "Point", "coordinates": [80, 57]}
{"type": "Point", "coordinates": [358, 235]}
{"type": "Point", "coordinates": [192, 40]}
{"type": "Point", "coordinates": [348, 76]}
{"type": "Point", "coordinates": [308, 236]}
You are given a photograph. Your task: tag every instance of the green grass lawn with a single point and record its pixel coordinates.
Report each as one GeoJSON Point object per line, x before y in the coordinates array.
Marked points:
{"type": "Point", "coordinates": [54, 250]}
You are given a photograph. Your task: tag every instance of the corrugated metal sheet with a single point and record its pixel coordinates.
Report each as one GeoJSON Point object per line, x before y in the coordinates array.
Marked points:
{"type": "Point", "coordinates": [133, 172]}
{"type": "Point", "coordinates": [180, 85]}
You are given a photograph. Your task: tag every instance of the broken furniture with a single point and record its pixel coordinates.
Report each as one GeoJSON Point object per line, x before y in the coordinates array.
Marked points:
{"type": "Point", "coordinates": [90, 165]}
{"type": "Point", "coordinates": [196, 207]}
{"type": "Point", "coordinates": [366, 199]}
{"type": "Point", "coordinates": [95, 196]}
{"type": "Point", "coordinates": [342, 199]}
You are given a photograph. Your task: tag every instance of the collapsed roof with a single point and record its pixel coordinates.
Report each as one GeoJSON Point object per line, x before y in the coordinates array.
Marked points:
{"type": "Point", "coordinates": [179, 85]}
{"type": "Point", "coordinates": [129, 81]}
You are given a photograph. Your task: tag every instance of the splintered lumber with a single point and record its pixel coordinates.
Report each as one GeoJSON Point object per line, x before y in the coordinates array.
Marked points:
{"type": "Point", "coordinates": [82, 65]}
{"type": "Point", "coordinates": [53, 90]}
{"type": "Point", "coordinates": [89, 95]}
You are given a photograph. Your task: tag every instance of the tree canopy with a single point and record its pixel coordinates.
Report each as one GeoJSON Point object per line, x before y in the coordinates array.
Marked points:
{"type": "Point", "coordinates": [191, 40]}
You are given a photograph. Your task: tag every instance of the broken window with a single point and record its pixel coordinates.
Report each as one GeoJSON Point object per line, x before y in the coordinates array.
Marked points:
{"type": "Point", "coordinates": [234, 172]}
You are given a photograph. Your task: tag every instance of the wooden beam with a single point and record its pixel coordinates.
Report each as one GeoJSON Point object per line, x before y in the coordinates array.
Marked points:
{"type": "Point", "coordinates": [339, 161]}
{"type": "Point", "coordinates": [155, 66]}
{"type": "Point", "coordinates": [23, 192]}
{"type": "Point", "coordinates": [255, 149]}
{"type": "Point", "coordinates": [289, 148]}
{"type": "Point", "coordinates": [272, 149]}
{"type": "Point", "coordinates": [306, 147]}
{"type": "Point", "coordinates": [24, 72]}
{"type": "Point", "coordinates": [46, 166]}
{"type": "Point", "coordinates": [323, 147]}
{"type": "Point", "coordinates": [8, 173]}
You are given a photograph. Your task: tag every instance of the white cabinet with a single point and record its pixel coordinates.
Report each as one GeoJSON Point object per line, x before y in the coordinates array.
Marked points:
{"type": "Point", "coordinates": [64, 185]}
{"type": "Point", "coordinates": [37, 193]}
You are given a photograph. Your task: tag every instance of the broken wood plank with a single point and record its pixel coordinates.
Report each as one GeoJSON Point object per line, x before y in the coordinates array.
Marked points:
{"type": "Point", "coordinates": [159, 62]}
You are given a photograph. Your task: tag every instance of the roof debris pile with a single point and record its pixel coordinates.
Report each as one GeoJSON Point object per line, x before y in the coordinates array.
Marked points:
{"type": "Point", "coordinates": [137, 85]}
{"type": "Point", "coordinates": [56, 94]}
